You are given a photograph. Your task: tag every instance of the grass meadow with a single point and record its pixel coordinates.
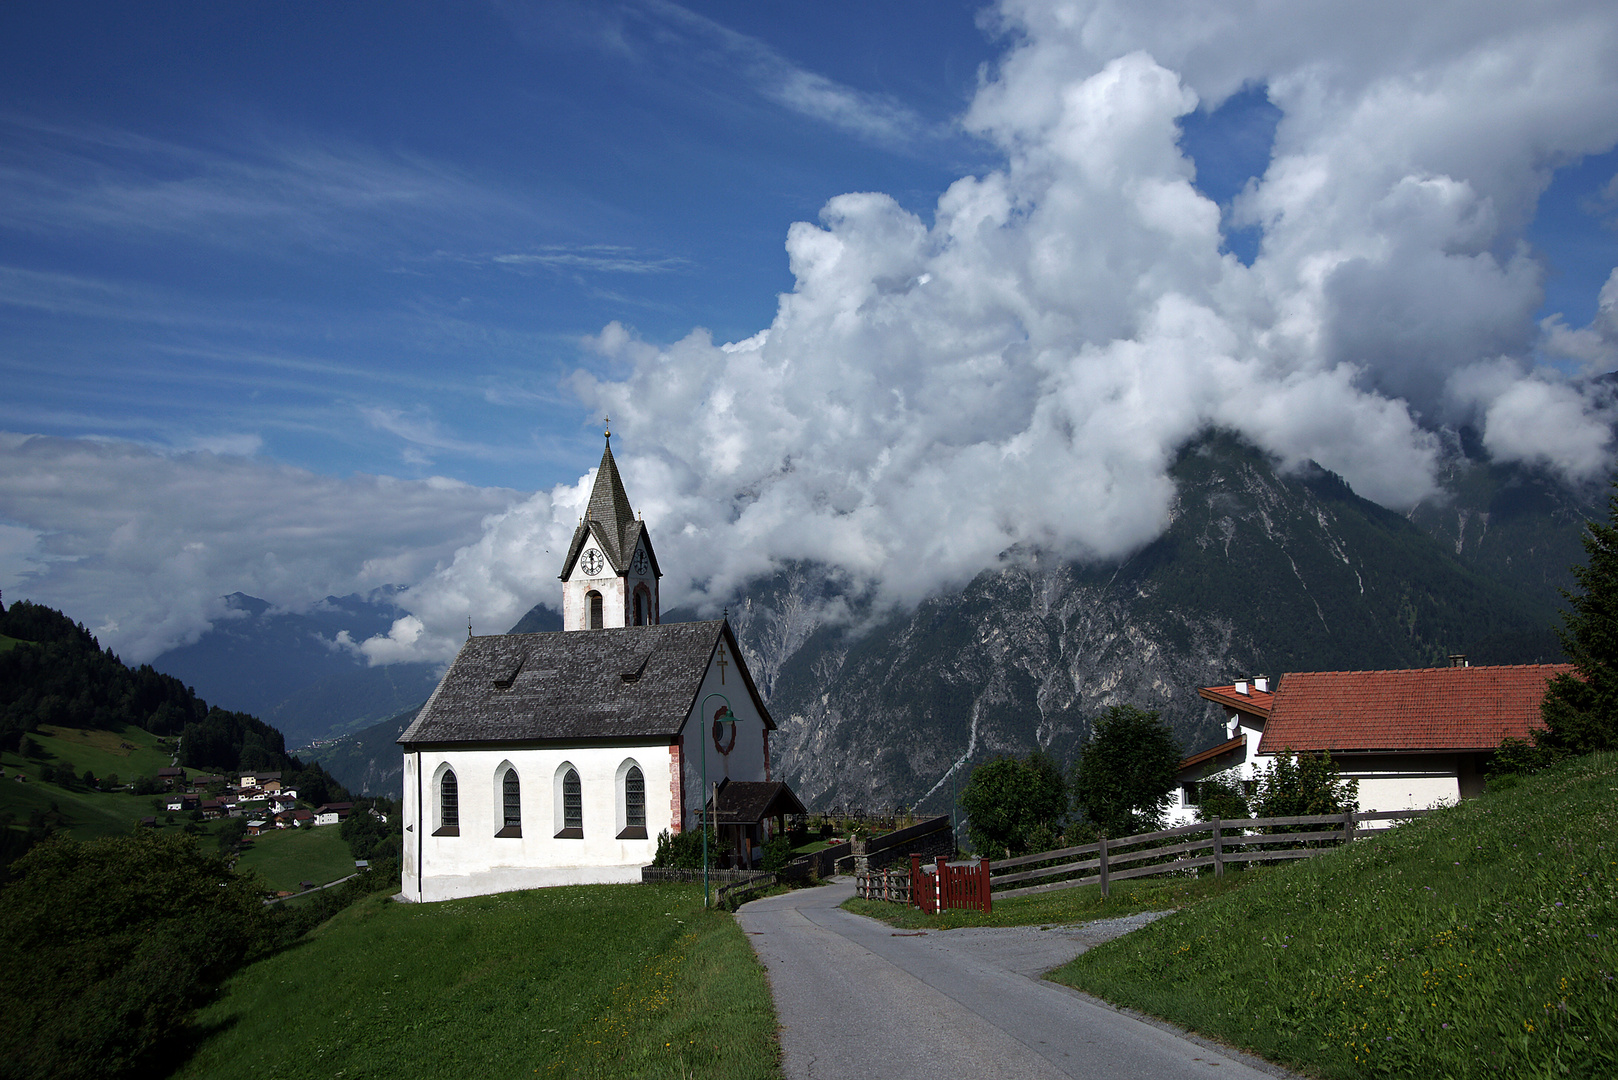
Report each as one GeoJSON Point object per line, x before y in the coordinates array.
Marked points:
{"type": "Point", "coordinates": [1479, 941]}
{"type": "Point", "coordinates": [284, 857]}
{"type": "Point", "coordinates": [126, 752]}
{"type": "Point", "coordinates": [89, 814]}
{"type": "Point", "coordinates": [582, 981]}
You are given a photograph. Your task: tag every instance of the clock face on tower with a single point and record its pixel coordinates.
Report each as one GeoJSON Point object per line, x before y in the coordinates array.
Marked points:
{"type": "Point", "coordinates": [641, 564]}
{"type": "Point", "coordinates": [591, 562]}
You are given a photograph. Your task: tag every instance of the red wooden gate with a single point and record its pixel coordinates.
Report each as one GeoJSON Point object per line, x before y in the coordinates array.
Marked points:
{"type": "Point", "coordinates": [963, 885]}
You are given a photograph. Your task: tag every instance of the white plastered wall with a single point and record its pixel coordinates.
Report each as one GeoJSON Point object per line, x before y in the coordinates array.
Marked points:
{"type": "Point", "coordinates": [746, 760]}
{"type": "Point", "coordinates": [617, 594]}
{"type": "Point", "coordinates": [1402, 781]}
{"type": "Point", "coordinates": [477, 862]}
{"type": "Point", "coordinates": [575, 612]}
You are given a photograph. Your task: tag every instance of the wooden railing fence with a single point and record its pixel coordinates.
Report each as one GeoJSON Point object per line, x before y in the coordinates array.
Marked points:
{"type": "Point", "coordinates": [732, 895]}
{"type": "Point", "coordinates": [1115, 860]}
{"type": "Point", "coordinates": [1229, 841]}
{"type": "Point", "coordinates": [892, 885]}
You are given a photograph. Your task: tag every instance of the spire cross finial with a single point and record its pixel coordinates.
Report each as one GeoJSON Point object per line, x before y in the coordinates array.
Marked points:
{"type": "Point", "coordinates": [469, 628]}
{"type": "Point", "coordinates": [607, 420]}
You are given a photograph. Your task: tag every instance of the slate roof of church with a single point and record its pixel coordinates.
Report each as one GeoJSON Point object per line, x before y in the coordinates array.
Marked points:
{"type": "Point", "coordinates": [632, 681]}
{"type": "Point", "coordinates": [610, 520]}
{"type": "Point", "coordinates": [1420, 709]}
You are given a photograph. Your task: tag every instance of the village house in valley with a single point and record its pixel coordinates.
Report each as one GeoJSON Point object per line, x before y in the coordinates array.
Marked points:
{"type": "Point", "coordinates": [558, 758]}
{"type": "Point", "coordinates": [1412, 738]}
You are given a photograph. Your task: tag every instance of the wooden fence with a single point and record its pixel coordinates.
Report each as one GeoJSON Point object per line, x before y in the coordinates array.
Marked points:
{"type": "Point", "coordinates": [892, 885]}
{"type": "Point", "coordinates": [732, 896]}
{"type": "Point", "coordinates": [1114, 860]}
{"type": "Point", "coordinates": [949, 885]}
{"type": "Point", "coordinates": [932, 887]}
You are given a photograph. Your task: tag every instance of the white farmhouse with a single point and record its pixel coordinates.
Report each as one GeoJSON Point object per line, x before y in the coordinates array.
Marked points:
{"type": "Point", "coordinates": [1412, 738]}
{"type": "Point", "coordinates": [557, 758]}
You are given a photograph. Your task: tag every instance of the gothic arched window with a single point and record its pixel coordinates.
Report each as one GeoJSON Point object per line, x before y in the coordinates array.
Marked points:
{"type": "Point", "coordinates": [569, 804]}
{"type": "Point", "coordinates": [643, 606]}
{"type": "Point", "coordinates": [449, 806]}
{"type": "Point", "coordinates": [510, 804]}
{"type": "Point", "coordinates": [593, 598]}
{"type": "Point", "coordinates": [631, 802]}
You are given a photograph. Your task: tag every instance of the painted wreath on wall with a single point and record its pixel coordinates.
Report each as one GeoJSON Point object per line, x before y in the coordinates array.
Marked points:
{"type": "Point", "coordinates": [721, 743]}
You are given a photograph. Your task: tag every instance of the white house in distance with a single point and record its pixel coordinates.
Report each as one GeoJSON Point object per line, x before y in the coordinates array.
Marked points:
{"type": "Point", "coordinates": [1412, 738]}
{"type": "Point", "coordinates": [557, 758]}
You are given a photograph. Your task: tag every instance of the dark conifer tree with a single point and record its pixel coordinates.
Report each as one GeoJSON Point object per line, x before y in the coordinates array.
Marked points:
{"type": "Point", "coordinates": [1581, 710]}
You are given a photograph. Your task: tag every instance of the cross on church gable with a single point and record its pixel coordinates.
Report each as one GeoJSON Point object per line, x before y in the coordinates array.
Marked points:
{"type": "Point", "coordinates": [723, 663]}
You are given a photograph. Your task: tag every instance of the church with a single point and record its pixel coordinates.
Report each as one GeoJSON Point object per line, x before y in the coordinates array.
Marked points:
{"type": "Point", "coordinates": [558, 758]}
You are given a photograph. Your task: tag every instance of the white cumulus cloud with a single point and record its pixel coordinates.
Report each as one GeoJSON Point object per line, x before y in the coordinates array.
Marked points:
{"type": "Point", "coordinates": [1019, 367]}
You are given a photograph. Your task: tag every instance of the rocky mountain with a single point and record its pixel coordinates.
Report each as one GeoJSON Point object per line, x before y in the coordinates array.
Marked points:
{"type": "Point", "coordinates": [1257, 573]}
{"type": "Point", "coordinates": [1518, 524]}
{"type": "Point", "coordinates": [288, 668]}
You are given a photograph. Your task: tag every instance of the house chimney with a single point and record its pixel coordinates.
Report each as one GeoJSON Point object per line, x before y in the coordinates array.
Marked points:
{"type": "Point", "coordinates": [1261, 684]}
{"type": "Point", "coordinates": [1458, 659]}
{"type": "Point", "coordinates": [1241, 686]}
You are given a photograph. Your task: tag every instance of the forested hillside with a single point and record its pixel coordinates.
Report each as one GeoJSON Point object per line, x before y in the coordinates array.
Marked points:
{"type": "Point", "coordinates": [56, 673]}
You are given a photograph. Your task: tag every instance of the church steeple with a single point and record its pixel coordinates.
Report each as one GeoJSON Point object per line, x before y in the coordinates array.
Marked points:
{"type": "Point", "coordinates": [610, 574]}
{"type": "Point", "coordinates": [609, 504]}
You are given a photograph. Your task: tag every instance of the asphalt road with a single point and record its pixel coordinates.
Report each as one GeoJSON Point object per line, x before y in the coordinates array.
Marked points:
{"type": "Point", "coordinates": [858, 999]}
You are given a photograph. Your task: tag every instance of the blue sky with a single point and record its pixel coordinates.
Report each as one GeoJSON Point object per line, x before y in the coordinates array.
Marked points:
{"type": "Point", "coordinates": [372, 236]}
{"type": "Point", "coordinates": [310, 298]}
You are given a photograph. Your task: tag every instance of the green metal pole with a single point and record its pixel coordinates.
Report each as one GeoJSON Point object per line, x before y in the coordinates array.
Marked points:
{"type": "Point", "coordinates": [702, 821]}
{"type": "Point", "coordinates": [702, 713]}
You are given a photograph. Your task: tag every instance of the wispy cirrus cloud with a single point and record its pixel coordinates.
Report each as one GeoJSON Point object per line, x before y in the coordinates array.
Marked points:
{"type": "Point", "coordinates": [667, 34]}
{"type": "Point", "coordinates": [269, 191]}
{"type": "Point", "coordinates": [422, 434]}
{"type": "Point", "coordinates": [875, 117]}
{"type": "Point", "coordinates": [605, 258]}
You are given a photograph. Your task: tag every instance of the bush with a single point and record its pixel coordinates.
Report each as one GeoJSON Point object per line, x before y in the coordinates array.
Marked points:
{"type": "Point", "coordinates": [107, 946]}
{"type": "Point", "coordinates": [1299, 785]}
{"type": "Point", "coordinates": [777, 853]}
{"type": "Point", "coordinates": [1221, 796]}
{"type": "Point", "coordinates": [1517, 758]}
{"type": "Point", "coordinates": [683, 851]}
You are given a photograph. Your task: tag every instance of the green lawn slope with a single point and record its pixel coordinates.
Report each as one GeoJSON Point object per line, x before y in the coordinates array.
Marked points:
{"type": "Point", "coordinates": [125, 751]}
{"type": "Point", "coordinates": [1481, 940]}
{"type": "Point", "coordinates": [586, 981]}
{"type": "Point", "coordinates": [284, 857]}
{"type": "Point", "coordinates": [89, 814]}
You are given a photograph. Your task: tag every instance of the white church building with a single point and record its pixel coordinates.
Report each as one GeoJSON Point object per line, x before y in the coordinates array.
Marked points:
{"type": "Point", "coordinates": [557, 758]}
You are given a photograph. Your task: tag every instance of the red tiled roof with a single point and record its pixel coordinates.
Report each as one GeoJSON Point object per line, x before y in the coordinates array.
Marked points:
{"type": "Point", "coordinates": [1238, 743]}
{"type": "Point", "coordinates": [1257, 702]}
{"type": "Point", "coordinates": [1450, 708]}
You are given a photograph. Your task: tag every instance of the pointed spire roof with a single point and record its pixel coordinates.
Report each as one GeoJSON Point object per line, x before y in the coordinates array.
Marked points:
{"type": "Point", "coordinates": [609, 519]}
{"type": "Point", "coordinates": [609, 505]}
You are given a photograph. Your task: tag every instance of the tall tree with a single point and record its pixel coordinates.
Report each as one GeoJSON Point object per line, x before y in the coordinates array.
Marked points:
{"type": "Point", "coordinates": [1581, 711]}
{"type": "Point", "coordinates": [1007, 799]}
{"type": "Point", "coordinates": [1127, 768]}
